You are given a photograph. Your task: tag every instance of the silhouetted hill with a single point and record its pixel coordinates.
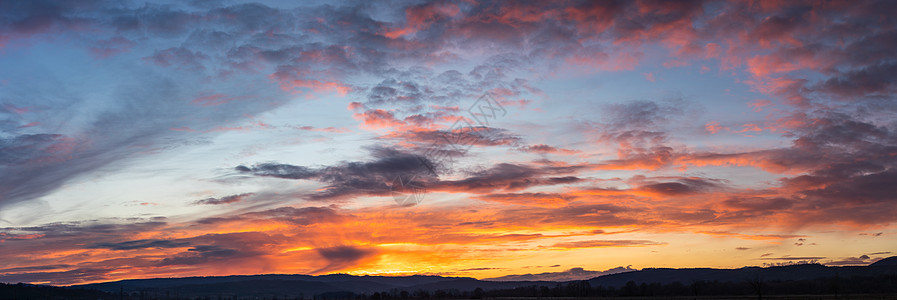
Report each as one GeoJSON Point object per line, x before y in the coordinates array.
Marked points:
{"type": "Point", "coordinates": [469, 284]}
{"type": "Point", "coordinates": [295, 285]}
{"type": "Point", "coordinates": [372, 282]}
{"type": "Point", "coordinates": [890, 261]}
{"type": "Point", "coordinates": [29, 291]}
{"type": "Point", "coordinates": [253, 287]}
{"type": "Point", "coordinates": [806, 278]}
{"type": "Point", "coordinates": [781, 273]}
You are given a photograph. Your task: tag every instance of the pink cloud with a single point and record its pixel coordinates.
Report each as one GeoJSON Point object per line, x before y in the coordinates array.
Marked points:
{"type": "Point", "coordinates": [649, 76]}
{"type": "Point", "coordinates": [714, 127]}
{"type": "Point", "coordinates": [420, 17]}
{"type": "Point", "coordinates": [759, 104]}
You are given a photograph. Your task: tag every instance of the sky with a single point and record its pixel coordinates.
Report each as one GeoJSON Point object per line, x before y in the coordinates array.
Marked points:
{"type": "Point", "coordinates": [540, 140]}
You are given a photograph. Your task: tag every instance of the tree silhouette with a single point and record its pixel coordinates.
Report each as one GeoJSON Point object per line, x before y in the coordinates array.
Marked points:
{"type": "Point", "coordinates": [757, 284]}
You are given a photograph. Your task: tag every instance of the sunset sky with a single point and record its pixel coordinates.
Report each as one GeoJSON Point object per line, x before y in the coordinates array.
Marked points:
{"type": "Point", "coordinates": [183, 138]}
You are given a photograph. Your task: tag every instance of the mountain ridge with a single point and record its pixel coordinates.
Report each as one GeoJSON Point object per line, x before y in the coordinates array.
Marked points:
{"type": "Point", "coordinates": [299, 284]}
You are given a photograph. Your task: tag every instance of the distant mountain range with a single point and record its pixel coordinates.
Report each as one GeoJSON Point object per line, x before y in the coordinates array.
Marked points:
{"type": "Point", "coordinates": [335, 284]}
{"type": "Point", "coordinates": [306, 285]}
{"type": "Point", "coordinates": [781, 273]}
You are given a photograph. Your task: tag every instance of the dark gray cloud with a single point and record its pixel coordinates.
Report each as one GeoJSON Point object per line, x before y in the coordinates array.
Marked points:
{"type": "Point", "coordinates": [224, 248]}
{"type": "Point", "coordinates": [300, 216]}
{"type": "Point", "coordinates": [297, 216]}
{"type": "Point", "coordinates": [80, 229]}
{"type": "Point", "coordinates": [589, 215]}
{"type": "Point", "coordinates": [682, 186]}
{"type": "Point", "coordinates": [510, 177]}
{"type": "Point", "coordinates": [278, 171]}
{"type": "Point", "coordinates": [223, 200]}
{"type": "Point", "coordinates": [72, 276]}
{"type": "Point", "coordinates": [846, 173]}
{"type": "Point", "coordinates": [640, 131]}
{"type": "Point", "coordinates": [180, 58]}
{"type": "Point", "coordinates": [26, 18]}
{"type": "Point", "coordinates": [350, 179]}
{"type": "Point", "coordinates": [141, 244]}
{"type": "Point", "coordinates": [201, 254]}
{"type": "Point", "coordinates": [459, 140]}
{"type": "Point", "coordinates": [374, 178]}
{"type": "Point", "coordinates": [872, 81]}
{"type": "Point", "coordinates": [340, 257]}
{"type": "Point", "coordinates": [795, 258]}
{"type": "Point", "coordinates": [34, 268]}
{"type": "Point", "coordinates": [545, 149]}
{"type": "Point", "coordinates": [26, 148]}
{"type": "Point", "coordinates": [759, 205]}
{"type": "Point", "coordinates": [641, 114]}
{"type": "Point", "coordinates": [861, 260]}
{"type": "Point", "coordinates": [162, 20]}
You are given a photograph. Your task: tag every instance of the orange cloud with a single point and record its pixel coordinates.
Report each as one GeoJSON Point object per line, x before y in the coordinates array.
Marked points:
{"type": "Point", "coordinates": [751, 236]}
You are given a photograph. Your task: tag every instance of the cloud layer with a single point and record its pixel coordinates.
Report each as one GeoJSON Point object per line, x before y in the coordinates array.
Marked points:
{"type": "Point", "coordinates": [150, 139]}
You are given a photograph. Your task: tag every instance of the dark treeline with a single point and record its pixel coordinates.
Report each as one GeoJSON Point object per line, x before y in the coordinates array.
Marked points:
{"type": "Point", "coordinates": [34, 292]}
{"type": "Point", "coordinates": [881, 284]}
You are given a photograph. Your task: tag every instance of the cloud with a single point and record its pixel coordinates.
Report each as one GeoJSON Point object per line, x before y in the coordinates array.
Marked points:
{"type": "Point", "coordinates": [88, 228]}
{"type": "Point", "coordinates": [542, 148]}
{"type": "Point", "coordinates": [479, 269]}
{"type": "Point", "coordinates": [861, 260]}
{"type": "Point", "coordinates": [372, 178]}
{"type": "Point", "coordinates": [141, 244]}
{"type": "Point", "coordinates": [825, 144]}
{"type": "Point", "coordinates": [509, 177]}
{"type": "Point", "coordinates": [223, 200]}
{"type": "Point", "coordinates": [278, 171]}
{"type": "Point", "coordinates": [350, 179]}
{"type": "Point", "coordinates": [23, 19]}
{"type": "Point", "coordinates": [759, 204]}
{"type": "Point", "coordinates": [798, 258]}
{"type": "Point", "coordinates": [844, 173]}
{"type": "Point", "coordinates": [295, 216]}
{"type": "Point", "coordinates": [529, 199]}
{"type": "Point", "coordinates": [753, 236]}
{"type": "Point", "coordinates": [180, 58]}
{"type": "Point", "coordinates": [683, 186]}
{"type": "Point", "coordinates": [200, 254]}
{"type": "Point", "coordinates": [133, 127]}
{"type": "Point", "coordinates": [35, 268]}
{"type": "Point", "coordinates": [607, 243]}
{"type": "Point", "coordinates": [341, 257]}
{"type": "Point", "coordinates": [72, 276]}
{"type": "Point", "coordinates": [870, 81]}
{"type": "Point", "coordinates": [639, 132]}
{"type": "Point", "coordinates": [640, 114]}
{"type": "Point", "coordinates": [458, 140]}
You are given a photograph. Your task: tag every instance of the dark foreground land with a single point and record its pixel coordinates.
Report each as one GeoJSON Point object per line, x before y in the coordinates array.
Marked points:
{"type": "Point", "coordinates": [809, 281]}
{"type": "Point", "coordinates": [753, 297]}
